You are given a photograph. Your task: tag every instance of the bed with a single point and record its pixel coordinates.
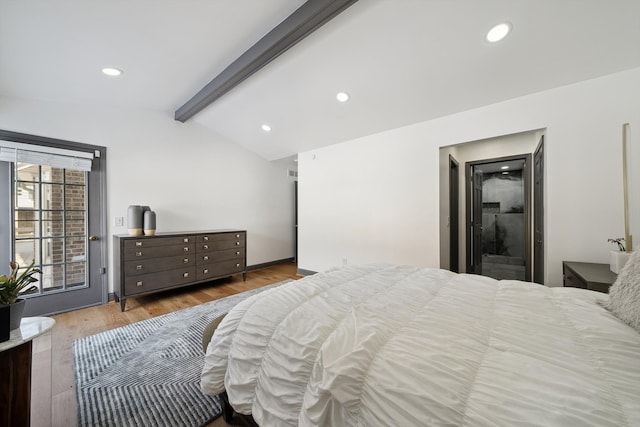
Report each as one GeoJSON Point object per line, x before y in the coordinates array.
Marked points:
{"type": "Point", "coordinates": [383, 344]}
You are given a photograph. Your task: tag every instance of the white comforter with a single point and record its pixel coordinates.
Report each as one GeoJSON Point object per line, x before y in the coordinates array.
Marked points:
{"type": "Point", "coordinates": [386, 345]}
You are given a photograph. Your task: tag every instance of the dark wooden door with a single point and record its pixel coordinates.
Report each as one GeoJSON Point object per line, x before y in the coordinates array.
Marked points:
{"type": "Point", "coordinates": [538, 213]}
{"type": "Point", "coordinates": [454, 190]}
{"type": "Point", "coordinates": [477, 221]}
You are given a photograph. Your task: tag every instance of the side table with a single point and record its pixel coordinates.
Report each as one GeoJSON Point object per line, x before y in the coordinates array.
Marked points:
{"type": "Point", "coordinates": [15, 371]}
{"type": "Point", "coordinates": [587, 275]}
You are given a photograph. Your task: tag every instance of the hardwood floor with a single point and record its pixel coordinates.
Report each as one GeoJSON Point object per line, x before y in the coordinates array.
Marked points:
{"type": "Point", "coordinates": [80, 323]}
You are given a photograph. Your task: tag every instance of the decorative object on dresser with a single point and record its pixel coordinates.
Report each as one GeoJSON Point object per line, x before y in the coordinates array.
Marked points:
{"type": "Point", "coordinates": [149, 222]}
{"type": "Point", "coordinates": [587, 275]}
{"type": "Point", "coordinates": [134, 220]}
{"type": "Point", "coordinates": [144, 265]}
{"type": "Point", "coordinates": [141, 220]}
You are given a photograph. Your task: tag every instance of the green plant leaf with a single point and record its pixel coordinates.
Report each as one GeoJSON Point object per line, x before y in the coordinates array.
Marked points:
{"type": "Point", "coordinates": [31, 289]}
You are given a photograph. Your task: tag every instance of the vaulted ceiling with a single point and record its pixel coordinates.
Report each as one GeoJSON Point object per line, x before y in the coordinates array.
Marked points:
{"type": "Point", "coordinates": [401, 61]}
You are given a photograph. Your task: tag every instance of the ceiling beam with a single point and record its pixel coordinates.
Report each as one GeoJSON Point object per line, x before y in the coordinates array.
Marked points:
{"type": "Point", "coordinates": [304, 21]}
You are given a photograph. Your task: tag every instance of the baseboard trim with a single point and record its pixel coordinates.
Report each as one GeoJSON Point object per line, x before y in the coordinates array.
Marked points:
{"type": "Point", "coordinates": [269, 264]}
{"type": "Point", "coordinates": [303, 272]}
{"type": "Point", "coordinates": [53, 313]}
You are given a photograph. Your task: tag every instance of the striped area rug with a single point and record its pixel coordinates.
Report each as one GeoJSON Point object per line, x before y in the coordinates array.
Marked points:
{"type": "Point", "coordinates": [148, 373]}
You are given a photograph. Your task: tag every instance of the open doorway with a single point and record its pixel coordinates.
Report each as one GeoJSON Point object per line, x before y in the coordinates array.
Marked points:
{"type": "Point", "coordinates": [525, 145]}
{"type": "Point", "coordinates": [498, 217]}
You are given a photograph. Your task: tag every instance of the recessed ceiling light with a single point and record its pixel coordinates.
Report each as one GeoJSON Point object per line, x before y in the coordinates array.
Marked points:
{"type": "Point", "coordinates": [266, 128]}
{"type": "Point", "coordinates": [504, 167]}
{"type": "Point", "coordinates": [113, 72]}
{"type": "Point", "coordinates": [342, 96]}
{"type": "Point", "coordinates": [498, 32]}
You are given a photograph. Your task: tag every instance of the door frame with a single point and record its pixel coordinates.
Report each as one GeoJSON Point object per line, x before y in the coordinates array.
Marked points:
{"type": "Point", "coordinates": [475, 235]}
{"type": "Point", "coordinates": [99, 260]}
{"type": "Point", "coordinates": [538, 212]}
{"type": "Point", "coordinates": [527, 208]}
{"type": "Point", "coordinates": [295, 221]}
{"type": "Point", "coordinates": [454, 215]}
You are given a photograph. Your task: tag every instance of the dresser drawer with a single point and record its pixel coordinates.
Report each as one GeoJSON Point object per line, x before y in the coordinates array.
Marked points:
{"type": "Point", "coordinates": [131, 254]}
{"type": "Point", "coordinates": [219, 245]}
{"type": "Point", "coordinates": [158, 241]}
{"type": "Point", "coordinates": [205, 238]}
{"type": "Point", "coordinates": [209, 257]}
{"type": "Point", "coordinates": [155, 281]}
{"type": "Point", "coordinates": [154, 265]}
{"type": "Point", "coordinates": [219, 269]}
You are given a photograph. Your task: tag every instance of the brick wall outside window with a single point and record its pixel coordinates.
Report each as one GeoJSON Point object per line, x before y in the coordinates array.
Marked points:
{"type": "Point", "coordinates": [62, 210]}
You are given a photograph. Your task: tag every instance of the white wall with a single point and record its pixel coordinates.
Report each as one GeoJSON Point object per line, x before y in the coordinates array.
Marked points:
{"type": "Point", "coordinates": [377, 197]}
{"type": "Point", "coordinates": [194, 179]}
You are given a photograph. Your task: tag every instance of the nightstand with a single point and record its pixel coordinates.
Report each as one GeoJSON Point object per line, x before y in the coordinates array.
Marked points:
{"type": "Point", "coordinates": [587, 275]}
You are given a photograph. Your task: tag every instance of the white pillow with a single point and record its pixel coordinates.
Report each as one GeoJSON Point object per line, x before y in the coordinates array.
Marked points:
{"type": "Point", "coordinates": [624, 294]}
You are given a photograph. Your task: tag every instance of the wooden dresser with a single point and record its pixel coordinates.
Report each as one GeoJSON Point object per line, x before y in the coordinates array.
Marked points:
{"type": "Point", "coordinates": [587, 275]}
{"type": "Point", "coordinates": [148, 264]}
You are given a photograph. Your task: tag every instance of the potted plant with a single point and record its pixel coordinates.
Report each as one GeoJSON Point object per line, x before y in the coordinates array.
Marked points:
{"type": "Point", "coordinates": [15, 285]}
{"type": "Point", "coordinates": [617, 259]}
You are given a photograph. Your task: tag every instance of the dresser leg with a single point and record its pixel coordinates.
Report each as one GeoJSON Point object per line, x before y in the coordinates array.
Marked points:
{"type": "Point", "coordinates": [244, 276]}
{"type": "Point", "coordinates": [122, 304]}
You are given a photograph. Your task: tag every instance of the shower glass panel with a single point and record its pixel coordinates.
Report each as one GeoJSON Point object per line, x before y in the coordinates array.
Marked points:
{"type": "Point", "coordinates": [503, 226]}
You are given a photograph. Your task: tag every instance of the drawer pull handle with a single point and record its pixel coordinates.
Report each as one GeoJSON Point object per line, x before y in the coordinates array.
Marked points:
{"type": "Point", "coordinates": [205, 246]}
{"type": "Point", "coordinates": [185, 240]}
{"type": "Point", "coordinates": [205, 258]}
{"type": "Point", "coordinates": [138, 284]}
{"type": "Point", "coordinates": [185, 261]}
{"type": "Point", "coordinates": [237, 265]}
{"type": "Point", "coordinates": [237, 243]}
{"type": "Point", "coordinates": [237, 252]}
{"type": "Point", "coordinates": [139, 253]}
{"type": "Point", "coordinates": [138, 267]}
{"type": "Point", "coordinates": [206, 238]}
{"type": "Point", "coordinates": [185, 274]}
{"type": "Point", "coordinates": [138, 243]}
{"type": "Point", "coordinates": [238, 236]}
{"type": "Point", "coordinates": [205, 271]}
{"type": "Point", "coordinates": [186, 249]}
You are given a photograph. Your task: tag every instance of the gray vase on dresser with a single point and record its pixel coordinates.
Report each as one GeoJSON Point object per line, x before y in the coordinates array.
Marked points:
{"type": "Point", "coordinates": [149, 264]}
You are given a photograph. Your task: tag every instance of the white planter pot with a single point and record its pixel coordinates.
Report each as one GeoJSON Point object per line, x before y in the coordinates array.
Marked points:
{"type": "Point", "coordinates": [617, 260]}
{"type": "Point", "coordinates": [15, 312]}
